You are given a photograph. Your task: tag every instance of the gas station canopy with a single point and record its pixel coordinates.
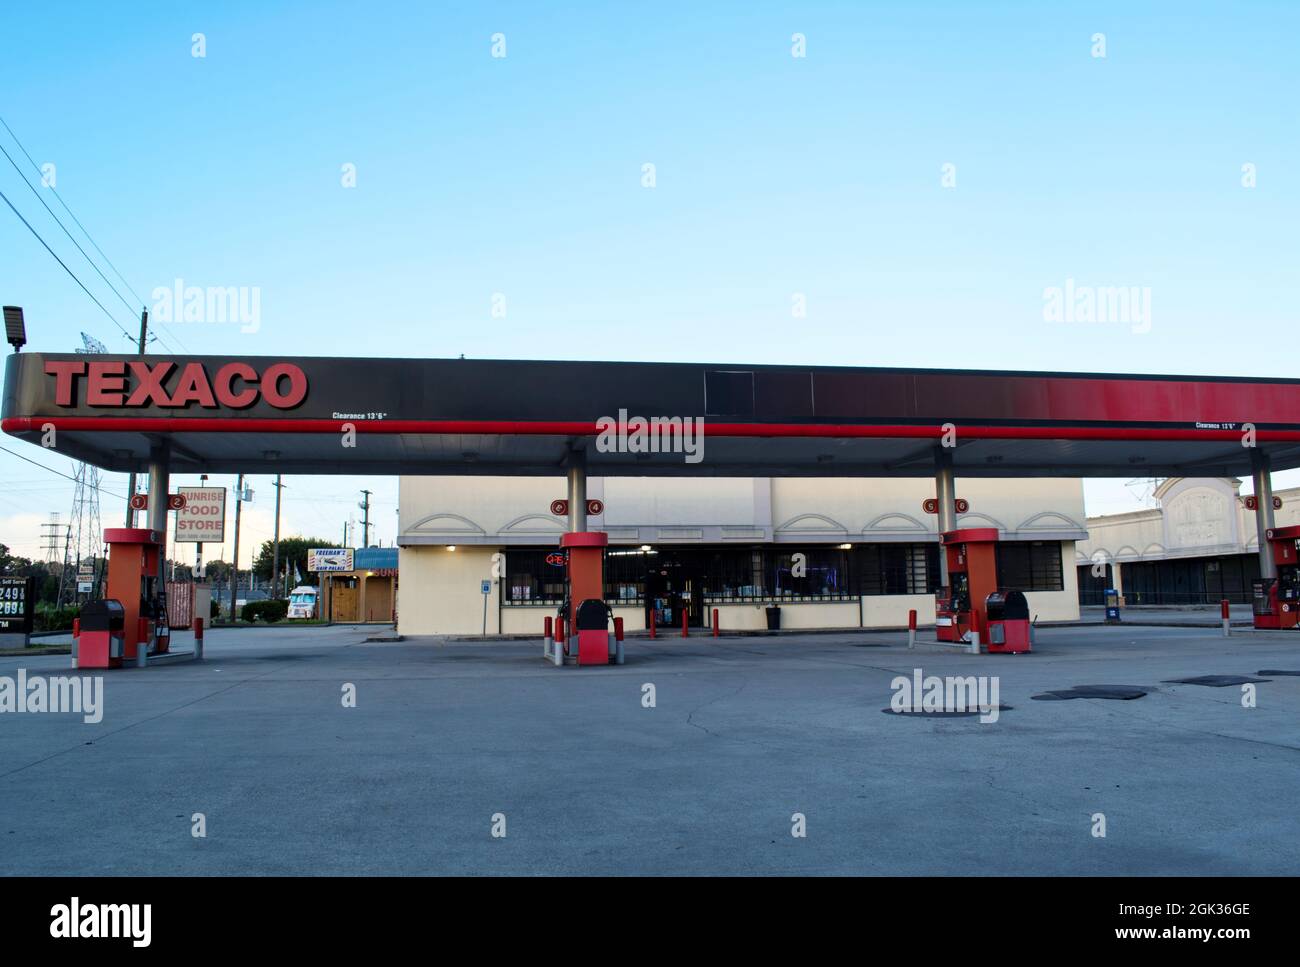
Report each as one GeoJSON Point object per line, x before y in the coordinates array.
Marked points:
{"type": "Point", "coordinates": [458, 416]}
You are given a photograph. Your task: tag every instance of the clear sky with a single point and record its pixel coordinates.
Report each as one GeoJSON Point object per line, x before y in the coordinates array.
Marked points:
{"type": "Point", "coordinates": [521, 177]}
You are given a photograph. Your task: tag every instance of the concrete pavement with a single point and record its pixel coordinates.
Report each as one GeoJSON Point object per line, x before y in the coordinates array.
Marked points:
{"type": "Point", "coordinates": [745, 733]}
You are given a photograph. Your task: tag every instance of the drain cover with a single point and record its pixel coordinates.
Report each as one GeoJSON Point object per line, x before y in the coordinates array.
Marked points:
{"type": "Point", "coordinates": [1215, 681]}
{"type": "Point", "coordinates": [1120, 693]}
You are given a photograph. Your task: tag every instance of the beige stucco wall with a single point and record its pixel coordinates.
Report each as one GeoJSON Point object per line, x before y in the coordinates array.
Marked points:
{"type": "Point", "coordinates": [516, 510]}
{"type": "Point", "coordinates": [439, 591]}
{"type": "Point", "coordinates": [1196, 517]}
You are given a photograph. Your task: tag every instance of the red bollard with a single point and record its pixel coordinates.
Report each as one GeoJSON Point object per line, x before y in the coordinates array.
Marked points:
{"type": "Point", "coordinates": [76, 627]}
{"type": "Point", "coordinates": [618, 629]}
{"type": "Point", "coordinates": [547, 630]}
{"type": "Point", "coordinates": [652, 622]}
{"type": "Point", "coordinates": [559, 634]}
{"type": "Point", "coordinates": [1225, 609]}
{"type": "Point", "coordinates": [198, 639]}
{"type": "Point", "coordinates": [685, 615]}
{"type": "Point", "coordinates": [911, 620]}
{"type": "Point", "coordinates": [715, 622]}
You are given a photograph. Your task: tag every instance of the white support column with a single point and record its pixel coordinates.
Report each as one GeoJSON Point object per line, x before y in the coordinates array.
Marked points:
{"type": "Point", "coordinates": [159, 481]}
{"type": "Point", "coordinates": [945, 492]}
{"type": "Point", "coordinates": [1263, 479]}
{"type": "Point", "coordinates": [577, 492]}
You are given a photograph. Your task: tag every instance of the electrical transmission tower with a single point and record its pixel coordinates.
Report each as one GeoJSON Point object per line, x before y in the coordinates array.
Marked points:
{"type": "Point", "coordinates": [52, 539]}
{"type": "Point", "coordinates": [85, 529]}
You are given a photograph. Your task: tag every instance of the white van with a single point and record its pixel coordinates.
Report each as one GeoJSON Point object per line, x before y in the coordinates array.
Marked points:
{"type": "Point", "coordinates": [302, 602]}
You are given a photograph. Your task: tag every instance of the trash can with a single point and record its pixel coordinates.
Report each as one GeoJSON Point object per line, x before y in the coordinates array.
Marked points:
{"type": "Point", "coordinates": [774, 618]}
{"type": "Point", "coordinates": [102, 625]}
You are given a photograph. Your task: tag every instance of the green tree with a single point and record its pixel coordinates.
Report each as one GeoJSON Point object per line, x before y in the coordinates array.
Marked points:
{"type": "Point", "coordinates": [293, 551]}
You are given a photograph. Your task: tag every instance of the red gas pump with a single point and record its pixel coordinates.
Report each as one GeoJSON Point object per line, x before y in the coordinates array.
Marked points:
{"type": "Point", "coordinates": [586, 584]}
{"type": "Point", "coordinates": [1277, 600]}
{"type": "Point", "coordinates": [135, 578]}
{"type": "Point", "coordinates": [972, 575]}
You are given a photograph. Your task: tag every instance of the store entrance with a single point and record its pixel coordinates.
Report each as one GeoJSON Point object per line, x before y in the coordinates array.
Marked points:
{"type": "Point", "coordinates": [674, 585]}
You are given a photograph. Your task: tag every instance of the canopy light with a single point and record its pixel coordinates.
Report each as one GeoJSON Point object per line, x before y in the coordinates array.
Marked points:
{"type": "Point", "coordinates": [15, 328]}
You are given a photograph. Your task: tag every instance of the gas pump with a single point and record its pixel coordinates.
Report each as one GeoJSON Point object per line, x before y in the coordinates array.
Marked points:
{"type": "Point", "coordinates": [972, 576]}
{"type": "Point", "coordinates": [135, 578]}
{"type": "Point", "coordinates": [1277, 600]}
{"type": "Point", "coordinates": [585, 584]}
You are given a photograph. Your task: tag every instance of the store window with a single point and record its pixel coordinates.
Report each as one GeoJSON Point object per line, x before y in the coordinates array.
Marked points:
{"type": "Point", "coordinates": [819, 572]}
{"type": "Point", "coordinates": [1030, 566]}
{"type": "Point", "coordinates": [531, 580]}
{"type": "Point", "coordinates": [897, 568]}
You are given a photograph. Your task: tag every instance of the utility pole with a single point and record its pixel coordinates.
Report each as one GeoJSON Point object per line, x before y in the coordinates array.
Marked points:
{"type": "Point", "coordinates": [275, 556]}
{"type": "Point", "coordinates": [234, 567]}
{"type": "Point", "coordinates": [198, 551]}
{"type": "Point", "coordinates": [365, 525]}
{"type": "Point", "coordinates": [130, 482]}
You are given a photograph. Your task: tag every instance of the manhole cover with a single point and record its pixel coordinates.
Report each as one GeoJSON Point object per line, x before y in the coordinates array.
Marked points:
{"type": "Point", "coordinates": [1216, 681]}
{"type": "Point", "coordinates": [1119, 693]}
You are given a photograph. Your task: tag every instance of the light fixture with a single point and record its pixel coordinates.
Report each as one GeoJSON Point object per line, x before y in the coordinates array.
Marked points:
{"type": "Point", "coordinates": [15, 328]}
{"type": "Point", "coordinates": [846, 547]}
{"type": "Point", "coordinates": [451, 547]}
{"type": "Point", "coordinates": [645, 547]}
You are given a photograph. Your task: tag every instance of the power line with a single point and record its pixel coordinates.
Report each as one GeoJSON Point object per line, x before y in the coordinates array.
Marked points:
{"type": "Point", "coordinates": [65, 267]}
{"type": "Point", "coordinates": [70, 214]}
{"type": "Point", "coordinates": [32, 188]}
{"type": "Point", "coordinates": [32, 161]}
{"type": "Point", "coordinates": [63, 475]}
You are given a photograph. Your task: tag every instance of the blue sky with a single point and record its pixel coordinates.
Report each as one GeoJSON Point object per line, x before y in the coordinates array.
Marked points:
{"type": "Point", "coordinates": [775, 175]}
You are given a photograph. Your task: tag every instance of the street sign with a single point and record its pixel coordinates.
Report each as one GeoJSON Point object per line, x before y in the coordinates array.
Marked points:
{"type": "Point", "coordinates": [85, 587]}
{"type": "Point", "coordinates": [329, 559]}
{"type": "Point", "coordinates": [487, 587]}
{"type": "Point", "coordinates": [201, 518]}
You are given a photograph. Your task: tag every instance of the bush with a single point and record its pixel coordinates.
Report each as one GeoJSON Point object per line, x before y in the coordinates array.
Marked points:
{"type": "Point", "coordinates": [274, 610]}
{"type": "Point", "coordinates": [268, 611]}
{"type": "Point", "coordinates": [50, 618]}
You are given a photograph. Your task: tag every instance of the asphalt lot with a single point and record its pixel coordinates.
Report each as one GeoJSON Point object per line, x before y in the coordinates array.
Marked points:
{"type": "Point", "coordinates": [745, 733]}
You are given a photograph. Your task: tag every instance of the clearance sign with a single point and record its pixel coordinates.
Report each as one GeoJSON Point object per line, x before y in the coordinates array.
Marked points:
{"type": "Point", "coordinates": [203, 518]}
